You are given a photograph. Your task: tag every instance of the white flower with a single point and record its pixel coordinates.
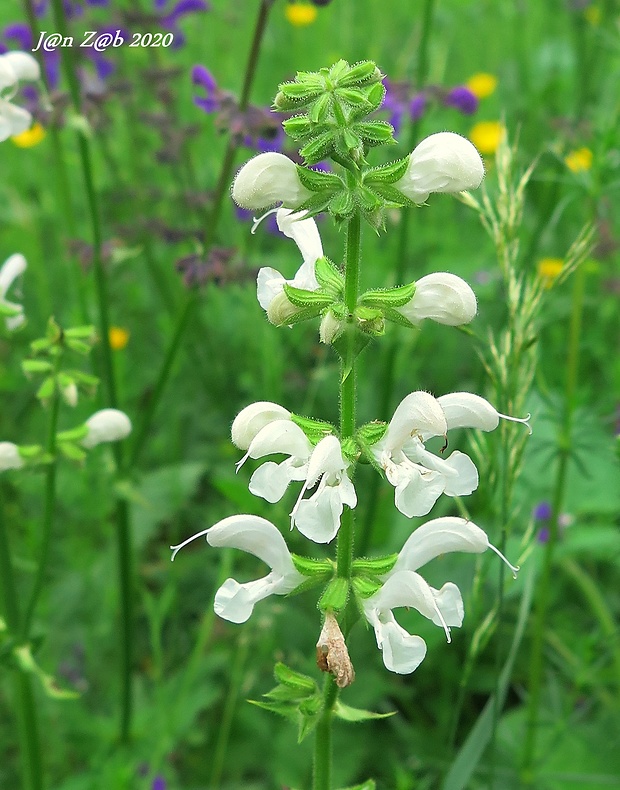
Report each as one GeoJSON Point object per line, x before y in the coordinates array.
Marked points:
{"type": "Point", "coordinates": [14, 66]}
{"type": "Point", "coordinates": [318, 517]}
{"type": "Point", "coordinates": [270, 282]}
{"type": "Point", "coordinates": [419, 476]}
{"type": "Point", "coordinates": [267, 179]}
{"type": "Point", "coordinates": [10, 457]}
{"type": "Point", "coordinates": [442, 297]}
{"type": "Point", "coordinates": [443, 162]}
{"type": "Point", "coordinates": [107, 425]}
{"type": "Point", "coordinates": [257, 536]}
{"type": "Point", "coordinates": [252, 419]}
{"type": "Point", "coordinates": [323, 466]}
{"type": "Point", "coordinates": [403, 652]}
{"type": "Point", "coordinates": [271, 480]}
{"type": "Point", "coordinates": [11, 269]}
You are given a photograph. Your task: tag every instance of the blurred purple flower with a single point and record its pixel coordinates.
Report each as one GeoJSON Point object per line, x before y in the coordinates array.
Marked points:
{"type": "Point", "coordinates": [543, 535]}
{"type": "Point", "coordinates": [417, 106]}
{"type": "Point", "coordinates": [159, 783]}
{"type": "Point", "coordinates": [170, 18]}
{"type": "Point", "coordinates": [202, 77]}
{"type": "Point", "coordinates": [542, 511]}
{"type": "Point", "coordinates": [462, 99]}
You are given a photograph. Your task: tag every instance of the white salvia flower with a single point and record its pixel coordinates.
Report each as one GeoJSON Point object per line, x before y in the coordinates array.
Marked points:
{"type": "Point", "coordinates": [323, 466]}
{"type": "Point", "coordinates": [15, 66]}
{"type": "Point", "coordinates": [257, 536]}
{"type": "Point", "coordinates": [107, 425]}
{"type": "Point", "coordinates": [252, 419]}
{"type": "Point", "coordinates": [418, 476]}
{"type": "Point", "coordinates": [403, 652]}
{"type": "Point", "coordinates": [443, 162]}
{"type": "Point", "coordinates": [10, 457]}
{"type": "Point", "coordinates": [270, 282]}
{"type": "Point", "coordinates": [318, 517]}
{"type": "Point", "coordinates": [11, 269]}
{"type": "Point", "coordinates": [271, 480]}
{"type": "Point", "coordinates": [267, 179]}
{"type": "Point", "coordinates": [442, 297]}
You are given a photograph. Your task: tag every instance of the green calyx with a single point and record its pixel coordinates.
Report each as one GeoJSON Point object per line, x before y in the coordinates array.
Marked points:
{"type": "Point", "coordinates": [315, 430]}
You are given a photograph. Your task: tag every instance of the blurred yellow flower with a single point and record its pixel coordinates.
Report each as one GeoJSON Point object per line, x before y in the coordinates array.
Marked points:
{"type": "Point", "coordinates": [549, 269]}
{"type": "Point", "coordinates": [300, 14]}
{"type": "Point", "coordinates": [30, 137]}
{"type": "Point", "coordinates": [482, 84]}
{"type": "Point", "coordinates": [593, 14]}
{"type": "Point", "coordinates": [119, 338]}
{"type": "Point", "coordinates": [487, 135]}
{"type": "Point", "coordinates": [579, 160]}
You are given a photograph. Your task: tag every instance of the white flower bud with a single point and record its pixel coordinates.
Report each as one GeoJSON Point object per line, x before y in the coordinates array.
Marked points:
{"type": "Point", "coordinates": [281, 309]}
{"type": "Point", "coordinates": [330, 327]}
{"type": "Point", "coordinates": [267, 179]}
{"type": "Point", "coordinates": [10, 457]}
{"type": "Point", "coordinates": [107, 425]}
{"type": "Point", "coordinates": [251, 420]}
{"type": "Point", "coordinates": [442, 297]}
{"type": "Point", "coordinates": [443, 162]}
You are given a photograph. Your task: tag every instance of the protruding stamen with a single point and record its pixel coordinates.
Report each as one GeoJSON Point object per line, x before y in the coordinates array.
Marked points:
{"type": "Point", "coordinates": [176, 549]}
{"type": "Point", "coordinates": [240, 463]}
{"type": "Point", "coordinates": [523, 420]}
{"type": "Point", "coordinates": [443, 622]}
{"type": "Point", "coordinates": [514, 568]}
{"type": "Point", "coordinates": [257, 222]}
{"type": "Point", "coordinates": [297, 503]}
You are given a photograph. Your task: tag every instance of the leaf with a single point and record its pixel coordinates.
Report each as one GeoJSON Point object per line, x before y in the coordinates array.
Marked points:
{"type": "Point", "coordinates": [347, 713]}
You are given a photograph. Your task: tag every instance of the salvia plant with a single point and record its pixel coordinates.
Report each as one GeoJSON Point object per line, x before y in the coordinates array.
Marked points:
{"type": "Point", "coordinates": [332, 119]}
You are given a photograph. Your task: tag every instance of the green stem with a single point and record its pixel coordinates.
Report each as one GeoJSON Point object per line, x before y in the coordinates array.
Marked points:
{"type": "Point", "coordinates": [143, 431]}
{"type": "Point", "coordinates": [344, 550]}
{"type": "Point", "coordinates": [49, 507]}
{"type": "Point", "coordinates": [544, 586]}
{"type": "Point", "coordinates": [93, 210]}
{"type": "Point", "coordinates": [322, 778]}
{"type": "Point", "coordinates": [123, 527]}
{"type": "Point", "coordinates": [30, 751]}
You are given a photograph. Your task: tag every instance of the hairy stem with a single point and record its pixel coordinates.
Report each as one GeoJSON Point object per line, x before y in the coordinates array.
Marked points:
{"type": "Point", "coordinates": [344, 550]}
